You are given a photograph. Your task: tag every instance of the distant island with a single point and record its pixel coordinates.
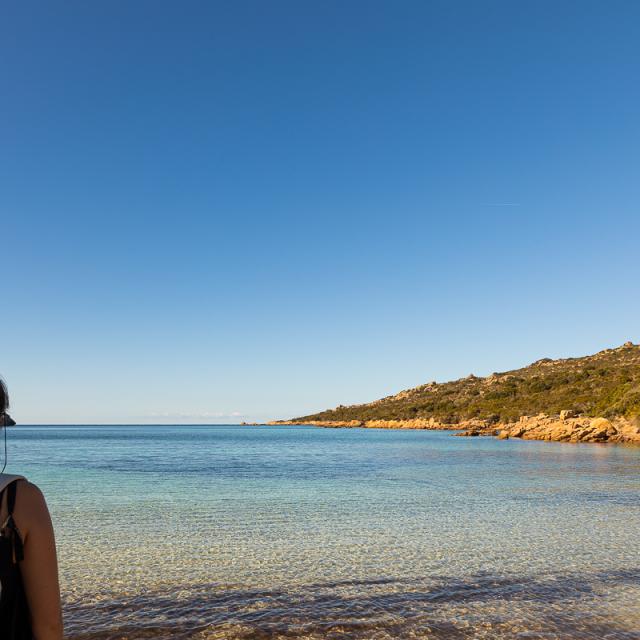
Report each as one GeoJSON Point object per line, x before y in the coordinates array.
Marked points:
{"type": "Point", "coordinates": [589, 399]}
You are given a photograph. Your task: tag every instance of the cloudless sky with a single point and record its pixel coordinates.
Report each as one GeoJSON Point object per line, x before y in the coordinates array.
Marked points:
{"type": "Point", "coordinates": [243, 210]}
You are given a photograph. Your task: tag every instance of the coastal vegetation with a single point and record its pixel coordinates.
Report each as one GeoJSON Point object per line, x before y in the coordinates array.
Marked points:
{"type": "Point", "coordinates": [606, 384]}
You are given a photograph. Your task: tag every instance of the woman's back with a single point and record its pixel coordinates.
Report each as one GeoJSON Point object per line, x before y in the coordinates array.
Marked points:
{"type": "Point", "coordinates": [29, 590]}
{"type": "Point", "coordinates": [15, 620]}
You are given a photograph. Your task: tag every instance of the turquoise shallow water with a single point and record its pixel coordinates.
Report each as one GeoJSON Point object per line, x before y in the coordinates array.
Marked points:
{"type": "Point", "coordinates": [299, 532]}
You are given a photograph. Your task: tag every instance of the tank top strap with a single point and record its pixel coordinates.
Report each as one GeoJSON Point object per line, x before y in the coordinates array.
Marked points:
{"type": "Point", "coordinates": [10, 486]}
{"type": "Point", "coordinates": [11, 497]}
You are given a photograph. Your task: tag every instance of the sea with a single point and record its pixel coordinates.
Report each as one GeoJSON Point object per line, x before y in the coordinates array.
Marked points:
{"type": "Point", "coordinates": [281, 532]}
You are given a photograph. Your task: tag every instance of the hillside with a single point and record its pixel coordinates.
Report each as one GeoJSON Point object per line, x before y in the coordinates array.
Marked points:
{"type": "Point", "coordinates": [606, 384]}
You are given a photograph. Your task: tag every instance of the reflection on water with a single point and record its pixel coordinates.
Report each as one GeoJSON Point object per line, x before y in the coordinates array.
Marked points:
{"type": "Point", "coordinates": [296, 532]}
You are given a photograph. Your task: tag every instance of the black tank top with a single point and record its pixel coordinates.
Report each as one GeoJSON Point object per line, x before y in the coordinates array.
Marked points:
{"type": "Point", "coordinates": [14, 610]}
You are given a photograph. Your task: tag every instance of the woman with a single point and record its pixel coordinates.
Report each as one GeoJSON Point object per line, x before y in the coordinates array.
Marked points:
{"type": "Point", "coordinates": [29, 590]}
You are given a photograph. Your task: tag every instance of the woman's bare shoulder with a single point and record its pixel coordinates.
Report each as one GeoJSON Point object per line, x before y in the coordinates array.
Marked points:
{"type": "Point", "coordinates": [31, 507]}
{"type": "Point", "coordinates": [30, 492]}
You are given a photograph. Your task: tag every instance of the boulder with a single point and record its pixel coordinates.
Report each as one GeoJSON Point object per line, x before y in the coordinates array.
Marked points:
{"type": "Point", "coordinates": [600, 424]}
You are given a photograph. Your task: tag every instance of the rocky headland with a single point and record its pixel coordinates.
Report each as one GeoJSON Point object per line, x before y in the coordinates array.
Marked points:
{"type": "Point", "coordinates": [590, 399]}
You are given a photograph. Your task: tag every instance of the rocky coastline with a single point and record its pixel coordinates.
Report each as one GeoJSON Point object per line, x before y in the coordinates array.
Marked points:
{"type": "Point", "coordinates": [594, 398]}
{"type": "Point", "coordinates": [415, 423]}
{"type": "Point", "coordinates": [565, 427]}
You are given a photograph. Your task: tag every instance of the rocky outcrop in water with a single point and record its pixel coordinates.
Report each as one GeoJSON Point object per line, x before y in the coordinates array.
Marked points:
{"type": "Point", "coordinates": [567, 427]}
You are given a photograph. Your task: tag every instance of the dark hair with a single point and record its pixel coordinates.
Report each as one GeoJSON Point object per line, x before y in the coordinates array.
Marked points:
{"type": "Point", "coordinates": [4, 397]}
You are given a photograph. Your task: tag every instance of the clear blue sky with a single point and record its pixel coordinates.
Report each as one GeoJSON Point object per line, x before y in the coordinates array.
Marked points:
{"type": "Point", "coordinates": [261, 209]}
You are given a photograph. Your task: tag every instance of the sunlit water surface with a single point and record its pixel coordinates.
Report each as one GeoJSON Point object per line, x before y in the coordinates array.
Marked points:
{"type": "Point", "coordinates": [299, 532]}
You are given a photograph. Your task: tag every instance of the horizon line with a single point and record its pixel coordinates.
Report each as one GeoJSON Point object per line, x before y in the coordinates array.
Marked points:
{"type": "Point", "coordinates": [137, 424]}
